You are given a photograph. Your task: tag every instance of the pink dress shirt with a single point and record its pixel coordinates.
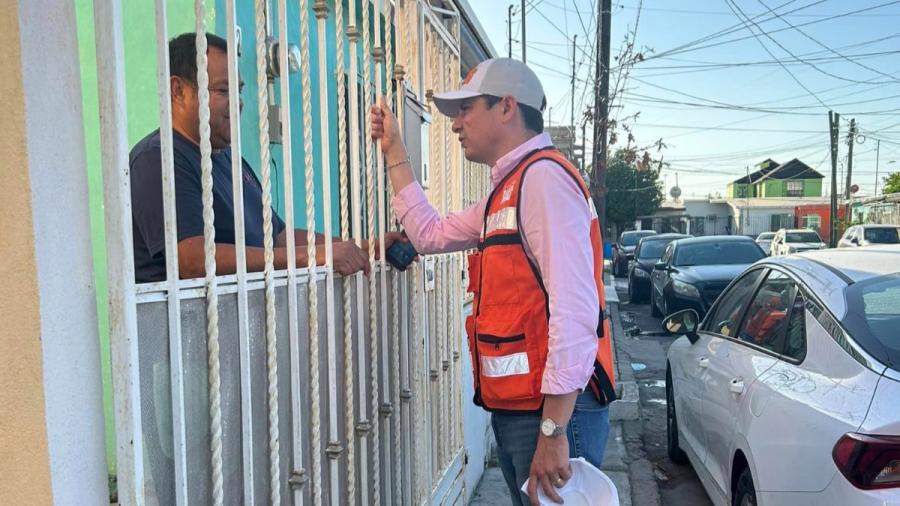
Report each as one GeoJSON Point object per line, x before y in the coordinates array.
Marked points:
{"type": "Point", "coordinates": [556, 231]}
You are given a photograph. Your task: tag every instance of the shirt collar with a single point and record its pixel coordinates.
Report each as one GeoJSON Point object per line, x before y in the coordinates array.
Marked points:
{"type": "Point", "coordinates": [508, 162]}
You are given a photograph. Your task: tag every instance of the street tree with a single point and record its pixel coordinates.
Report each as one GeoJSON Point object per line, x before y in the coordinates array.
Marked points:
{"type": "Point", "coordinates": [633, 187]}
{"type": "Point", "coordinates": [892, 183]}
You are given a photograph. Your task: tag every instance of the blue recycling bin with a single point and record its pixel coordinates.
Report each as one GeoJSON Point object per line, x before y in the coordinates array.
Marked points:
{"type": "Point", "coordinates": [607, 250]}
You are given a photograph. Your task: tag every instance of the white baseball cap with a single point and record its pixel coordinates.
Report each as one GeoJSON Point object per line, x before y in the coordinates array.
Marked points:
{"type": "Point", "coordinates": [499, 77]}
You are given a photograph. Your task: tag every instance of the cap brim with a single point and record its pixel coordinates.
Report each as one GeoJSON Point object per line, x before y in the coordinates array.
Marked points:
{"type": "Point", "coordinates": [448, 102]}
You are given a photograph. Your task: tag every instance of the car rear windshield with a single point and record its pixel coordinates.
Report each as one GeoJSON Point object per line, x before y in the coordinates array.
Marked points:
{"type": "Point", "coordinates": [653, 249]}
{"type": "Point", "coordinates": [802, 237]}
{"type": "Point", "coordinates": [873, 317]}
{"type": "Point", "coordinates": [767, 236]}
{"type": "Point", "coordinates": [883, 235]}
{"type": "Point", "coordinates": [632, 238]}
{"type": "Point", "coordinates": [717, 253]}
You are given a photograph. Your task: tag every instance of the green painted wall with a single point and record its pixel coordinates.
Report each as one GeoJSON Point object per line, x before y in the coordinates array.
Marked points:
{"type": "Point", "coordinates": [143, 117]}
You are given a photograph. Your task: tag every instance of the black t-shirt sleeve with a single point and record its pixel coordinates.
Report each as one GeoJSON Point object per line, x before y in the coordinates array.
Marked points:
{"type": "Point", "coordinates": [188, 198]}
{"type": "Point", "coordinates": [146, 200]}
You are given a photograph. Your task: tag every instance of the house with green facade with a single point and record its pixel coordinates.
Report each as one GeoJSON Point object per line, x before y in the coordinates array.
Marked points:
{"type": "Point", "coordinates": [793, 179]}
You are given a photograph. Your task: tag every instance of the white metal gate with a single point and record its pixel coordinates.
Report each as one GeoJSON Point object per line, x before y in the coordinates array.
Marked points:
{"type": "Point", "coordinates": [293, 386]}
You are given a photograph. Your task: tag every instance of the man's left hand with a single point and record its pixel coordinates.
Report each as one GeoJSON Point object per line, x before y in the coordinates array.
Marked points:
{"type": "Point", "coordinates": [549, 468]}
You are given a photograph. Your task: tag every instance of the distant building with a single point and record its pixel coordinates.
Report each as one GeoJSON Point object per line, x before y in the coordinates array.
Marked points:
{"type": "Point", "coordinates": [793, 179]}
{"type": "Point", "coordinates": [565, 139]}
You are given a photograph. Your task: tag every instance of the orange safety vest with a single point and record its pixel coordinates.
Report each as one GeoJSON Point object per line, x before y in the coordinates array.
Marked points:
{"type": "Point", "coordinates": [508, 329]}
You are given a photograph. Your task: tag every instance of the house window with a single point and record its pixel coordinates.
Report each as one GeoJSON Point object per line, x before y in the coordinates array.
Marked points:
{"type": "Point", "coordinates": [812, 221]}
{"type": "Point", "coordinates": [742, 191]}
{"type": "Point", "coordinates": [794, 188]}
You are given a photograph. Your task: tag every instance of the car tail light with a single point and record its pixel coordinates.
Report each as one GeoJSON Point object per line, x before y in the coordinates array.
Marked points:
{"type": "Point", "coordinates": [869, 462]}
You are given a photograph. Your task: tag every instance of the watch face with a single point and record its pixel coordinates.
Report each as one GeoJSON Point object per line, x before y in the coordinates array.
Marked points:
{"type": "Point", "coordinates": [548, 427]}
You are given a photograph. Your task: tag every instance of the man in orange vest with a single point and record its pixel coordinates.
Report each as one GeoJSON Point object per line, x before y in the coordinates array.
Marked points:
{"type": "Point", "coordinates": [540, 345]}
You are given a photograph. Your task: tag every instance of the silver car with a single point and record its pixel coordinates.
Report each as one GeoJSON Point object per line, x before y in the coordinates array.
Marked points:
{"type": "Point", "coordinates": [867, 235]}
{"type": "Point", "coordinates": [764, 240]}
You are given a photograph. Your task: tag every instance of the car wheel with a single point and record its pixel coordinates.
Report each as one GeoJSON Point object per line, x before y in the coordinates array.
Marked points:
{"type": "Point", "coordinates": [676, 454]}
{"type": "Point", "coordinates": [744, 493]}
{"type": "Point", "coordinates": [654, 310]}
{"type": "Point", "coordinates": [617, 270]}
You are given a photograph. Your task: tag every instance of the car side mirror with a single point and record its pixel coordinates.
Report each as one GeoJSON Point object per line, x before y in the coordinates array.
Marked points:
{"type": "Point", "coordinates": [660, 266]}
{"type": "Point", "coordinates": [855, 241]}
{"type": "Point", "coordinates": [686, 322]}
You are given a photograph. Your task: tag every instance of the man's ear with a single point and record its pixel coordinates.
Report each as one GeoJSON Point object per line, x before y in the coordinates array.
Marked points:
{"type": "Point", "coordinates": [509, 107]}
{"type": "Point", "coordinates": [177, 89]}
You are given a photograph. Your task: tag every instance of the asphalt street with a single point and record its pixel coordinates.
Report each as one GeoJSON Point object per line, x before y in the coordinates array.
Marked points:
{"type": "Point", "coordinates": [647, 347]}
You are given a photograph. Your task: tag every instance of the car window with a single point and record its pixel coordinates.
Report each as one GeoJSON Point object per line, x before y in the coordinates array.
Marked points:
{"type": "Point", "coordinates": [873, 317]}
{"type": "Point", "coordinates": [883, 235]}
{"type": "Point", "coordinates": [651, 249]}
{"type": "Point", "coordinates": [803, 237]}
{"type": "Point", "coordinates": [667, 254]}
{"type": "Point", "coordinates": [774, 319]}
{"type": "Point", "coordinates": [726, 315]}
{"type": "Point", "coordinates": [718, 253]}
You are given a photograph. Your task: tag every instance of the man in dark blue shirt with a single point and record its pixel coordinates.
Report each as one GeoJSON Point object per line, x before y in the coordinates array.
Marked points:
{"type": "Point", "coordinates": [146, 184]}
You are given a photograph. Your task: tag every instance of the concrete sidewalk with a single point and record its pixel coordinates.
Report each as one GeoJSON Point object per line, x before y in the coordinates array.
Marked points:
{"type": "Point", "coordinates": [623, 461]}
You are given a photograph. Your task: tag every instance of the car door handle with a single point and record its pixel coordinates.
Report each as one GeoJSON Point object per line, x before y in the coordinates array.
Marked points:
{"type": "Point", "coordinates": [737, 386]}
{"type": "Point", "coordinates": [703, 362]}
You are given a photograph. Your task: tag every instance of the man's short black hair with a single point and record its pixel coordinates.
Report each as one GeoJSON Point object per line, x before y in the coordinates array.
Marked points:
{"type": "Point", "coordinates": [534, 120]}
{"type": "Point", "coordinates": [183, 54]}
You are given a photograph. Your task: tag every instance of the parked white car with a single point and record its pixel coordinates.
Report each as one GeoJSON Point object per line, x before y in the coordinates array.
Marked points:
{"type": "Point", "coordinates": [788, 241]}
{"type": "Point", "coordinates": [867, 235]}
{"type": "Point", "coordinates": [764, 240]}
{"type": "Point", "coordinates": [788, 393]}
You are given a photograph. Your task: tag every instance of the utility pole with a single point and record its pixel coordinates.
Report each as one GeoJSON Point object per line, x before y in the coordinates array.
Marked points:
{"type": "Point", "coordinates": [509, 28]}
{"type": "Point", "coordinates": [877, 159]}
{"type": "Point", "coordinates": [749, 190]}
{"type": "Point", "coordinates": [523, 32]}
{"type": "Point", "coordinates": [572, 114]}
{"type": "Point", "coordinates": [851, 140]}
{"type": "Point", "coordinates": [601, 110]}
{"type": "Point", "coordinates": [833, 128]}
{"type": "Point", "coordinates": [584, 146]}
{"type": "Point", "coordinates": [851, 137]}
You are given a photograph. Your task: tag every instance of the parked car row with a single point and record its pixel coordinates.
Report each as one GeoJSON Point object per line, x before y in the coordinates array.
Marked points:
{"type": "Point", "coordinates": [786, 392]}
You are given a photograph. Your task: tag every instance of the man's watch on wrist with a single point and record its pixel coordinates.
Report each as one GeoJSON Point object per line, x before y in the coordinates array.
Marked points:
{"type": "Point", "coordinates": [549, 428]}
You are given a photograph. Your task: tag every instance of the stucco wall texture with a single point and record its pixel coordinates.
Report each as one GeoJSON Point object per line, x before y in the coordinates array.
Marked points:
{"type": "Point", "coordinates": [24, 465]}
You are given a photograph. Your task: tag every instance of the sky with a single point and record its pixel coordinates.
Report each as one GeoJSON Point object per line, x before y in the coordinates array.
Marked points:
{"type": "Point", "coordinates": [726, 83]}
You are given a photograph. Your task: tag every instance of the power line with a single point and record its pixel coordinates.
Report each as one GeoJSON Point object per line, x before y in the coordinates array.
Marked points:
{"type": "Point", "coordinates": [801, 32]}
{"type": "Point", "coordinates": [733, 6]}
{"type": "Point", "coordinates": [692, 46]}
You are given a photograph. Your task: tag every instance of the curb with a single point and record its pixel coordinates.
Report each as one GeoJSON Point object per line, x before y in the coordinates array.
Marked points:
{"type": "Point", "coordinates": [637, 482]}
{"type": "Point", "coordinates": [627, 405]}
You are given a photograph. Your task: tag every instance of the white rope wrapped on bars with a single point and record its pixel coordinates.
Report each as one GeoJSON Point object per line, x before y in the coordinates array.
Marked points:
{"type": "Point", "coordinates": [315, 401]}
{"type": "Point", "coordinates": [370, 219]}
{"type": "Point", "coordinates": [382, 226]}
{"type": "Point", "coordinates": [363, 427]}
{"type": "Point", "coordinates": [395, 276]}
{"type": "Point", "coordinates": [347, 286]}
{"type": "Point", "coordinates": [269, 256]}
{"type": "Point", "coordinates": [209, 250]}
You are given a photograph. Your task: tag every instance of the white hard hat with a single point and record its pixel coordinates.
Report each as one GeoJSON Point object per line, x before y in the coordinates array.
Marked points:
{"type": "Point", "coordinates": [588, 486]}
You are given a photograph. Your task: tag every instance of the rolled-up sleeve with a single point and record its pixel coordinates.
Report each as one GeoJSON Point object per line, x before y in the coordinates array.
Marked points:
{"type": "Point", "coordinates": [431, 233]}
{"type": "Point", "coordinates": [556, 223]}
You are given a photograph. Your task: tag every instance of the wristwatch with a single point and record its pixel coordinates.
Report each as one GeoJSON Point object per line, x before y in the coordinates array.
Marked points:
{"type": "Point", "coordinates": [550, 428]}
